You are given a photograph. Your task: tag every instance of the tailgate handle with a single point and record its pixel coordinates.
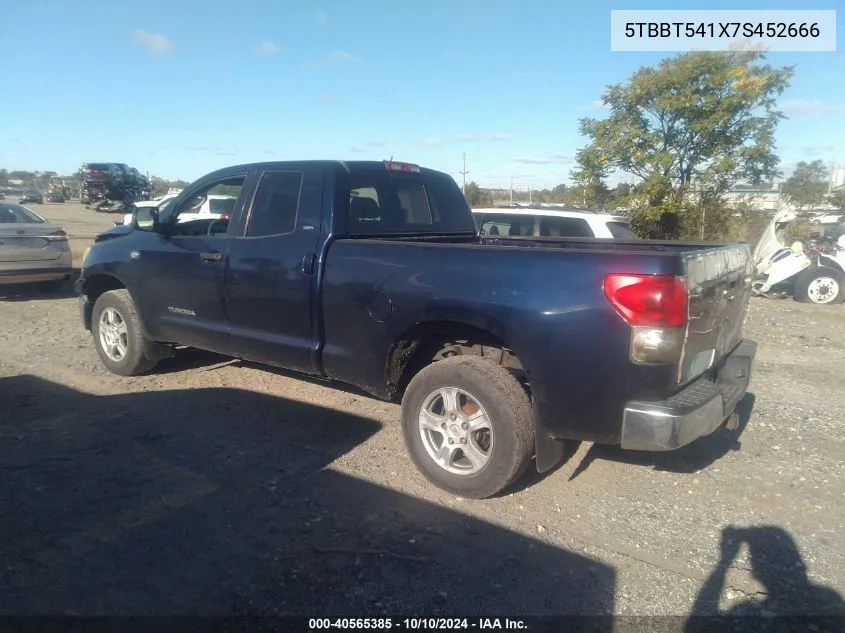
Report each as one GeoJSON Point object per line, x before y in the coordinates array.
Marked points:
{"type": "Point", "coordinates": [211, 256]}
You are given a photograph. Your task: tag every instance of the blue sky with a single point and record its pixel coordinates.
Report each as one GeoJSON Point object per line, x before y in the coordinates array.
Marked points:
{"type": "Point", "coordinates": [182, 87]}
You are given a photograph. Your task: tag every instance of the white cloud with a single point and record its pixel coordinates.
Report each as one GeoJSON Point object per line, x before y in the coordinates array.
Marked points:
{"type": "Point", "coordinates": [358, 150]}
{"type": "Point", "coordinates": [544, 160]}
{"type": "Point", "coordinates": [266, 48]}
{"type": "Point", "coordinates": [430, 142]}
{"type": "Point", "coordinates": [342, 56]}
{"type": "Point", "coordinates": [321, 18]}
{"type": "Point", "coordinates": [501, 137]}
{"type": "Point", "coordinates": [807, 108]}
{"type": "Point", "coordinates": [153, 42]}
{"type": "Point", "coordinates": [465, 137]}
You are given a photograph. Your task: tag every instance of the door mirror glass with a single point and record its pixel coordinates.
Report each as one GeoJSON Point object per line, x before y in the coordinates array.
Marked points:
{"type": "Point", "coordinates": [145, 219]}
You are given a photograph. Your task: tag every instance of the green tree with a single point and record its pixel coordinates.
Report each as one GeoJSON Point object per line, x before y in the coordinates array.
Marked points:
{"type": "Point", "coordinates": [694, 124]}
{"type": "Point", "coordinates": [837, 199]}
{"type": "Point", "coordinates": [807, 186]}
{"type": "Point", "coordinates": [476, 196]}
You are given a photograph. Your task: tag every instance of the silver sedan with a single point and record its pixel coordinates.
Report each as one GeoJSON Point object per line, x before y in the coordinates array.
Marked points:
{"type": "Point", "coordinates": [32, 250]}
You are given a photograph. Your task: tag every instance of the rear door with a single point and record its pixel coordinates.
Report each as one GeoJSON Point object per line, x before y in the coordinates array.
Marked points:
{"type": "Point", "coordinates": [269, 270]}
{"type": "Point", "coordinates": [25, 237]}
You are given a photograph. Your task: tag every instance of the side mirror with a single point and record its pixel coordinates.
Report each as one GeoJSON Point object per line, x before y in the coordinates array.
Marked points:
{"type": "Point", "coordinates": [145, 219]}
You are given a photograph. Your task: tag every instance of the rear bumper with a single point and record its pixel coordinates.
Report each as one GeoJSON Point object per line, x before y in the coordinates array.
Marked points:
{"type": "Point", "coordinates": [698, 410]}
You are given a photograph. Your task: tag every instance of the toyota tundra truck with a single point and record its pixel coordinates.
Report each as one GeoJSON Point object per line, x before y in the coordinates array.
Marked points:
{"type": "Point", "coordinates": [374, 274]}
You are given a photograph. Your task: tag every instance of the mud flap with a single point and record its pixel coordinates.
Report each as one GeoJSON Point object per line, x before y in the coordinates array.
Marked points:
{"type": "Point", "coordinates": [549, 451]}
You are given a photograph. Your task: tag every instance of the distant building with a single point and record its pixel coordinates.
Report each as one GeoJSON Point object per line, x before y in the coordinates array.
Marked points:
{"type": "Point", "coordinates": [765, 196]}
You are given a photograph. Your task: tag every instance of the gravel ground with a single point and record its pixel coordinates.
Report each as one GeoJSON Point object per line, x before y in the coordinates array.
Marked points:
{"type": "Point", "coordinates": [219, 487]}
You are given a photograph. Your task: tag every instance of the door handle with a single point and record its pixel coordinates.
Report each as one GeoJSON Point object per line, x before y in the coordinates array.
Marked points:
{"type": "Point", "coordinates": [211, 256]}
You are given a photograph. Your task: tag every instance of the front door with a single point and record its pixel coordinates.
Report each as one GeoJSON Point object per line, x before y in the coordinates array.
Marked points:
{"type": "Point", "coordinates": [269, 271]}
{"type": "Point", "coordinates": [183, 285]}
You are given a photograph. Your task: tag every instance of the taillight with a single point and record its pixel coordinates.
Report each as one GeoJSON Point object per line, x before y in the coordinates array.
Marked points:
{"type": "Point", "coordinates": [648, 300]}
{"type": "Point", "coordinates": [58, 236]}
{"type": "Point", "coordinates": [656, 308]}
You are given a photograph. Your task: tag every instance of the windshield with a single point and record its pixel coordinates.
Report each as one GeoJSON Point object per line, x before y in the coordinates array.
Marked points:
{"type": "Point", "coordinates": [16, 214]}
{"type": "Point", "coordinates": [384, 202]}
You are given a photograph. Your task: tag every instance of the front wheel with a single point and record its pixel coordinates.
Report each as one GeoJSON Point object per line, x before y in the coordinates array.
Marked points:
{"type": "Point", "coordinates": [819, 284]}
{"type": "Point", "coordinates": [468, 426]}
{"type": "Point", "coordinates": [118, 335]}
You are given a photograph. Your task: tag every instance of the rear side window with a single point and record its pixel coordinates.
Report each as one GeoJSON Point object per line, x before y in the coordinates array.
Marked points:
{"type": "Point", "coordinates": [276, 204]}
{"type": "Point", "coordinates": [16, 214]}
{"type": "Point", "coordinates": [509, 224]}
{"type": "Point", "coordinates": [406, 203]}
{"type": "Point", "coordinates": [620, 230]}
{"type": "Point", "coordinates": [564, 227]}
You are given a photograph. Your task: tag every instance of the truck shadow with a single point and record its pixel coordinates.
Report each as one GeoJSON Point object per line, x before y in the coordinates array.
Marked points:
{"type": "Point", "coordinates": [228, 502]}
{"type": "Point", "coordinates": [35, 292]}
{"type": "Point", "coordinates": [691, 458]}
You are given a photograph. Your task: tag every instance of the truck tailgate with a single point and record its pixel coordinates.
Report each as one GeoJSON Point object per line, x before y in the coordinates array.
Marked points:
{"type": "Point", "coordinates": [719, 286]}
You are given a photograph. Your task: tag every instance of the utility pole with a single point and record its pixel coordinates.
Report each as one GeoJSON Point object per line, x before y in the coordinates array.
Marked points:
{"type": "Point", "coordinates": [511, 188]}
{"type": "Point", "coordinates": [464, 175]}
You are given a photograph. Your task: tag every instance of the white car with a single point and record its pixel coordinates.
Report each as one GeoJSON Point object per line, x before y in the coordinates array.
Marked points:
{"type": "Point", "coordinates": [827, 218]}
{"type": "Point", "coordinates": [551, 223]}
{"type": "Point", "coordinates": [212, 206]}
{"type": "Point", "coordinates": [142, 204]}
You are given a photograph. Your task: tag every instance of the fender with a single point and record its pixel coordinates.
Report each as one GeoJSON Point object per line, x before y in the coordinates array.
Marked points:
{"type": "Point", "coordinates": [831, 262]}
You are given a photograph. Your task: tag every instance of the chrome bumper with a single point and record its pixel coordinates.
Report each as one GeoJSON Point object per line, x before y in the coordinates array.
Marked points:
{"type": "Point", "coordinates": [697, 410]}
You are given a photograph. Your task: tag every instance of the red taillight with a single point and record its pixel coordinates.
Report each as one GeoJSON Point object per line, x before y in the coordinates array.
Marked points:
{"type": "Point", "coordinates": [58, 236]}
{"type": "Point", "coordinates": [648, 300]}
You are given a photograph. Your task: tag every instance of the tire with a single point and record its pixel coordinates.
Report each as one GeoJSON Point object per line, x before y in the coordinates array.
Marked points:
{"type": "Point", "coordinates": [820, 285]}
{"type": "Point", "coordinates": [495, 399]}
{"type": "Point", "coordinates": [134, 360]}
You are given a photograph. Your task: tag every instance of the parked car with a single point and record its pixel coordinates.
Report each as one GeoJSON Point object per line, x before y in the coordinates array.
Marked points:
{"type": "Point", "coordinates": [32, 250]}
{"type": "Point", "coordinates": [56, 196]}
{"type": "Point", "coordinates": [827, 218]}
{"type": "Point", "coordinates": [551, 223]}
{"type": "Point", "coordinates": [31, 197]}
{"type": "Point", "coordinates": [374, 274]}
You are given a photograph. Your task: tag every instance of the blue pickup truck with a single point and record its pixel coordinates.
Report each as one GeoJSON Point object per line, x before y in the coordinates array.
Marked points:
{"type": "Point", "coordinates": [374, 274]}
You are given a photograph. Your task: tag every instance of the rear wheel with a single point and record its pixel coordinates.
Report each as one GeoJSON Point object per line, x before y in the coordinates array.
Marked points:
{"type": "Point", "coordinates": [468, 426]}
{"type": "Point", "coordinates": [118, 335]}
{"type": "Point", "coordinates": [819, 284]}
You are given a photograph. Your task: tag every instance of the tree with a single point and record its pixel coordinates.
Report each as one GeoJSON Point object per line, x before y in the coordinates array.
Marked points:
{"type": "Point", "coordinates": [837, 199]}
{"type": "Point", "coordinates": [695, 124]}
{"type": "Point", "coordinates": [476, 196]}
{"type": "Point", "coordinates": [807, 186]}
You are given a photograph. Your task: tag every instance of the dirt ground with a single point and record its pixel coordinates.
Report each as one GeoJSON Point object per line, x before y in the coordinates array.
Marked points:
{"type": "Point", "coordinates": [220, 487]}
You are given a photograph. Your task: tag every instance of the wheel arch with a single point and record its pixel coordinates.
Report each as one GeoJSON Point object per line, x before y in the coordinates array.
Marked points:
{"type": "Point", "coordinates": [424, 343]}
